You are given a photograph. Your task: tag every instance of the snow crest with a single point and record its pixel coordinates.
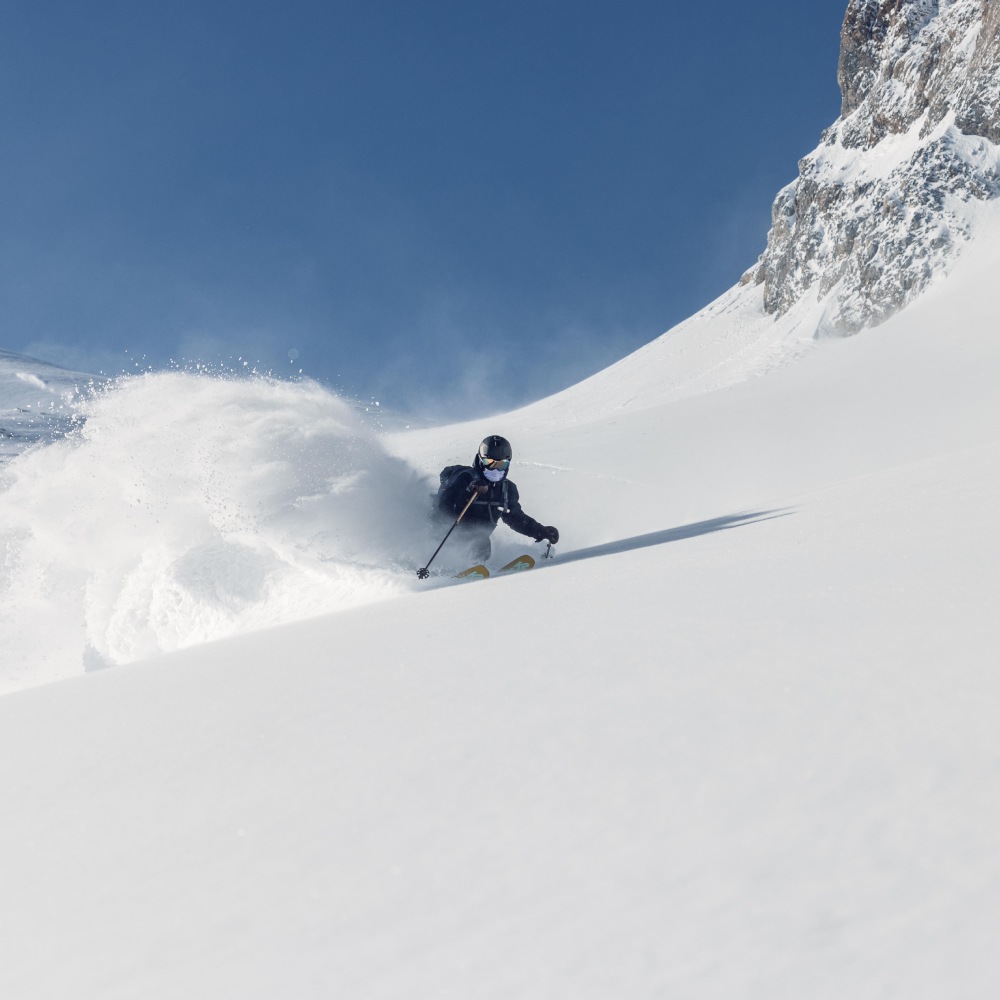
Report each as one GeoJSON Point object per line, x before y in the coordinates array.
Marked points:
{"type": "Point", "coordinates": [186, 508]}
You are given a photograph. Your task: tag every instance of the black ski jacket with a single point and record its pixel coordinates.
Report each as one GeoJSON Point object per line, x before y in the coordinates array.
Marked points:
{"type": "Point", "coordinates": [499, 503]}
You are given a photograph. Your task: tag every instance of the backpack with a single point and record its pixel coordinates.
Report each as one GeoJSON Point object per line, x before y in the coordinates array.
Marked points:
{"type": "Point", "coordinates": [451, 473]}
{"type": "Point", "coordinates": [448, 477]}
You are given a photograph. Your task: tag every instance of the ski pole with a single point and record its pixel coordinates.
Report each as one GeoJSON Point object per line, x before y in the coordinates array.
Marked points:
{"type": "Point", "coordinates": [423, 573]}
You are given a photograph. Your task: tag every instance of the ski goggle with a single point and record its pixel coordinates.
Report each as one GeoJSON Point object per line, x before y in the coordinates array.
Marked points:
{"type": "Point", "coordinates": [496, 464]}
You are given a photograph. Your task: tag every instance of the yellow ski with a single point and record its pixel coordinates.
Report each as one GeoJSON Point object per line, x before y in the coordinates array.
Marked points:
{"type": "Point", "coordinates": [480, 572]}
{"type": "Point", "coordinates": [521, 562]}
{"type": "Point", "coordinates": [473, 573]}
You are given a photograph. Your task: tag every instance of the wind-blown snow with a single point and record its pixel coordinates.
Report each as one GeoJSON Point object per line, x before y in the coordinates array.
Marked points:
{"type": "Point", "coordinates": [185, 508]}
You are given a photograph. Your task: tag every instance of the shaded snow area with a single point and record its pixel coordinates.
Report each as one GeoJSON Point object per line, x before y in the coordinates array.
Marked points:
{"type": "Point", "coordinates": [184, 508]}
{"type": "Point", "coordinates": [738, 739]}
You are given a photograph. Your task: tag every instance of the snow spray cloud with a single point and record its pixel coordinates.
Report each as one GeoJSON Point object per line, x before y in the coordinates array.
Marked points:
{"type": "Point", "coordinates": [191, 507]}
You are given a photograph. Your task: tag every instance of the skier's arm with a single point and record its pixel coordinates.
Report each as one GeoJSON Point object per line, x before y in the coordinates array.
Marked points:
{"type": "Point", "coordinates": [514, 517]}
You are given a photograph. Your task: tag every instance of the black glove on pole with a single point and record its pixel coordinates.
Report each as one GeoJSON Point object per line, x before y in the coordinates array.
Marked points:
{"type": "Point", "coordinates": [423, 573]}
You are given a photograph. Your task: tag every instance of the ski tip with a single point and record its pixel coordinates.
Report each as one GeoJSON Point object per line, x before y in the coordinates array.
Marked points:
{"type": "Point", "coordinates": [473, 573]}
{"type": "Point", "coordinates": [520, 563]}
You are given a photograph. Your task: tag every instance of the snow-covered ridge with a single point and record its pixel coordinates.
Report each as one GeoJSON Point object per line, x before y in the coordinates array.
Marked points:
{"type": "Point", "coordinates": [891, 194]}
{"type": "Point", "coordinates": [900, 183]}
{"type": "Point", "coordinates": [36, 401]}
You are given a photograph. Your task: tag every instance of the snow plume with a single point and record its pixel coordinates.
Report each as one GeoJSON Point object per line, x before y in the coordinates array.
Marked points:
{"type": "Point", "coordinates": [189, 507]}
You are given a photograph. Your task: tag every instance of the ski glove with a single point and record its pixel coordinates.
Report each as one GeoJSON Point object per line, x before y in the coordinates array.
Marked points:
{"type": "Point", "coordinates": [478, 486]}
{"type": "Point", "coordinates": [549, 534]}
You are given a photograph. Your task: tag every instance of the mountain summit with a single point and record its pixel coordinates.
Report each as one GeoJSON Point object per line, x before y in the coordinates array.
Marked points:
{"type": "Point", "coordinates": [890, 195]}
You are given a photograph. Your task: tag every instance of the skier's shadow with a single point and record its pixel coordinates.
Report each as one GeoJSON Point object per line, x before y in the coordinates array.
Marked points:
{"type": "Point", "coordinates": [726, 523]}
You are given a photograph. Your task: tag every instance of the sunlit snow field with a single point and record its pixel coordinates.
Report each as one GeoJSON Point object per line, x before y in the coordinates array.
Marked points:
{"type": "Point", "coordinates": [737, 739]}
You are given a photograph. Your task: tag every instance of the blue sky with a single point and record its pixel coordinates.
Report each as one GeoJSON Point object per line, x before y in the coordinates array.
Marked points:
{"type": "Point", "coordinates": [449, 206]}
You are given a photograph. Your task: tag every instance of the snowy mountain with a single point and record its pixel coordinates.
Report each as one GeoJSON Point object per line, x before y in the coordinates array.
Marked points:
{"type": "Point", "coordinates": [737, 739]}
{"type": "Point", "coordinates": [890, 196]}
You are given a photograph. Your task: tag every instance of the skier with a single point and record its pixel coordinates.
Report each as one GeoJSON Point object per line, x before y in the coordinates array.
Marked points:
{"type": "Point", "coordinates": [496, 499]}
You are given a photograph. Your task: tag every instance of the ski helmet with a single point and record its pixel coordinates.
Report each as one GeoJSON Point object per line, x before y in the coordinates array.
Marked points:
{"type": "Point", "coordinates": [494, 453]}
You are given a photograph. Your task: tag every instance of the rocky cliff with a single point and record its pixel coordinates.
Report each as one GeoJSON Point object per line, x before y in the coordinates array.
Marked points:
{"type": "Point", "coordinates": [890, 194]}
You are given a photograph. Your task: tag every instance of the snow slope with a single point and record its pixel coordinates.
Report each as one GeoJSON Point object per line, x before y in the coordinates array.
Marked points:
{"type": "Point", "coordinates": [738, 739]}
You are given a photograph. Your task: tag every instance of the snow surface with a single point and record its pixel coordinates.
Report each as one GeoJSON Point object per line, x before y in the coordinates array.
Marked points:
{"type": "Point", "coordinates": [738, 739]}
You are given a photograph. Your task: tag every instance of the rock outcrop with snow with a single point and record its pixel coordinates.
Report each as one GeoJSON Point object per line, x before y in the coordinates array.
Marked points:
{"type": "Point", "coordinates": [890, 195]}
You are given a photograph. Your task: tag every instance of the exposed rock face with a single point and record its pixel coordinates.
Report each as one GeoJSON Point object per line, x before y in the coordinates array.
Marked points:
{"type": "Point", "coordinates": [889, 195]}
